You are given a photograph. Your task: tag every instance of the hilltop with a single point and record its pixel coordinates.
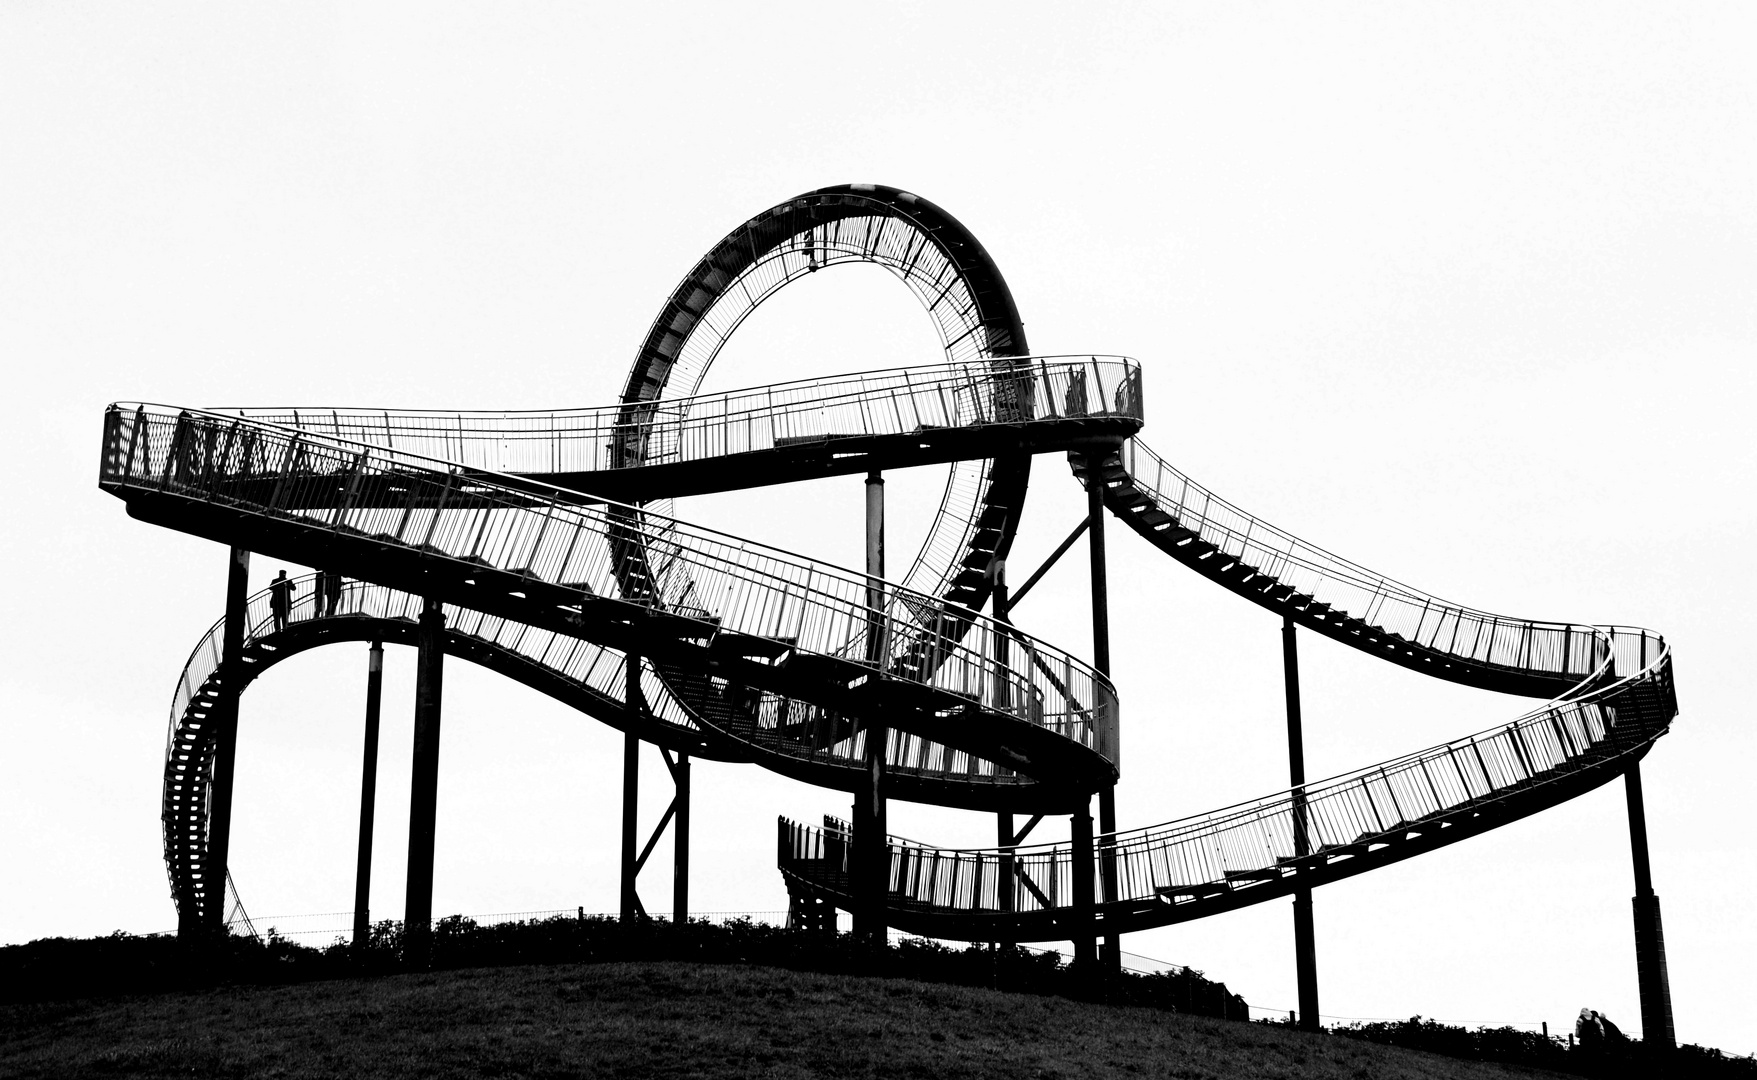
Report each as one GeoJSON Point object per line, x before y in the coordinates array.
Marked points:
{"type": "Point", "coordinates": [668, 1019]}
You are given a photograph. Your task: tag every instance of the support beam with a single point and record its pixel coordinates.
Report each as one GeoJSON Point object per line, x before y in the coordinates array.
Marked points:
{"type": "Point", "coordinates": [1305, 954]}
{"type": "Point", "coordinates": [1084, 930]}
{"type": "Point", "coordinates": [871, 856]}
{"type": "Point", "coordinates": [368, 798]}
{"type": "Point", "coordinates": [680, 843]}
{"type": "Point", "coordinates": [1113, 942]}
{"type": "Point", "coordinates": [424, 784]}
{"type": "Point", "coordinates": [1657, 1032]}
{"type": "Point", "coordinates": [631, 786]}
{"type": "Point", "coordinates": [1061, 549]}
{"type": "Point", "coordinates": [1007, 887]}
{"type": "Point", "coordinates": [225, 743]}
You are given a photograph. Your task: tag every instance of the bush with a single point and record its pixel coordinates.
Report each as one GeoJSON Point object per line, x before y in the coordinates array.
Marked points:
{"type": "Point", "coordinates": [60, 968]}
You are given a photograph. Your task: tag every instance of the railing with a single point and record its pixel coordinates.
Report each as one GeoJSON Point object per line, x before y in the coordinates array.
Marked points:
{"type": "Point", "coordinates": [899, 401]}
{"type": "Point", "coordinates": [1344, 815]}
{"type": "Point", "coordinates": [727, 584]}
{"type": "Point", "coordinates": [1566, 650]}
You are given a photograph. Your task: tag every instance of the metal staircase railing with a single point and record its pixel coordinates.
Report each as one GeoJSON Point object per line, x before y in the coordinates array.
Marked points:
{"type": "Point", "coordinates": [899, 401]}
{"type": "Point", "coordinates": [1510, 770]}
{"type": "Point", "coordinates": [1378, 612]}
{"type": "Point", "coordinates": [718, 584]}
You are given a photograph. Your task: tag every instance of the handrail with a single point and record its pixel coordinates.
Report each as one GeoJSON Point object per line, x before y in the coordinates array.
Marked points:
{"type": "Point", "coordinates": [893, 401]}
{"type": "Point", "coordinates": [1343, 816]}
{"type": "Point", "coordinates": [728, 584]}
{"type": "Point", "coordinates": [1565, 650]}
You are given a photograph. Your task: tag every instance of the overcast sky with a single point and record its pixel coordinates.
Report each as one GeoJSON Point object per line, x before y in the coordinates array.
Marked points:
{"type": "Point", "coordinates": [1464, 293]}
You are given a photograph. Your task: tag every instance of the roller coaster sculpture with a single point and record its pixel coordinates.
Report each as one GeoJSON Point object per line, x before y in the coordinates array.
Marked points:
{"type": "Point", "coordinates": [543, 545]}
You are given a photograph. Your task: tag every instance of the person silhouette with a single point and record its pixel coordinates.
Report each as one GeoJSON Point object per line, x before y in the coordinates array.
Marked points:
{"type": "Point", "coordinates": [280, 599]}
{"type": "Point", "coordinates": [332, 591]}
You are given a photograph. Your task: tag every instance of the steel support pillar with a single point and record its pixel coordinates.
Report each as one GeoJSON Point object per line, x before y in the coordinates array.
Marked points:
{"type": "Point", "coordinates": [1007, 886]}
{"type": "Point", "coordinates": [871, 856]}
{"type": "Point", "coordinates": [1085, 891]}
{"type": "Point", "coordinates": [680, 843]}
{"type": "Point", "coordinates": [225, 744]}
{"type": "Point", "coordinates": [631, 787]}
{"type": "Point", "coordinates": [1113, 945]}
{"type": "Point", "coordinates": [424, 784]}
{"type": "Point", "coordinates": [1657, 1032]}
{"type": "Point", "coordinates": [1305, 949]}
{"type": "Point", "coordinates": [368, 798]}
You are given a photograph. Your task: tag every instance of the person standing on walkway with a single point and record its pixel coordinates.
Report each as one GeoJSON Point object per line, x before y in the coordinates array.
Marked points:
{"type": "Point", "coordinates": [280, 599]}
{"type": "Point", "coordinates": [332, 591]}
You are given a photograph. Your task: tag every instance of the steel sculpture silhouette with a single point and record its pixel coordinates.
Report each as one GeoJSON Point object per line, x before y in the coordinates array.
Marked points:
{"type": "Point", "coordinates": [543, 545]}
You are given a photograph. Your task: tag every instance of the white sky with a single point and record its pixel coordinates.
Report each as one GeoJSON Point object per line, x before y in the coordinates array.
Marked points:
{"type": "Point", "coordinates": [1462, 293]}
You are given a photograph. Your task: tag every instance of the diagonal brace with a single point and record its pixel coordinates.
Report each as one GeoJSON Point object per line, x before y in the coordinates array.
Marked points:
{"type": "Point", "coordinates": [1085, 523]}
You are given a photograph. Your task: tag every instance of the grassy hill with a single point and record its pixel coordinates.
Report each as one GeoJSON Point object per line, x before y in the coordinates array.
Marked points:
{"type": "Point", "coordinates": [666, 1019]}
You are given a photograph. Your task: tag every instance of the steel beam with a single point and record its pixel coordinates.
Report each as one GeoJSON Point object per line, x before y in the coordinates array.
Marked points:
{"type": "Point", "coordinates": [424, 784]}
{"type": "Point", "coordinates": [1084, 930]}
{"type": "Point", "coordinates": [1113, 942]}
{"type": "Point", "coordinates": [368, 797]}
{"type": "Point", "coordinates": [680, 843]}
{"type": "Point", "coordinates": [871, 856]}
{"type": "Point", "coordinates": [631, 785]}
{"type": "Point", "coordinates": [1061, 549]}
{"type": "Point", "coordinates": [225, 742]}
{"type": "Point", "coordinates": [1657, 1031]}
{"type": "Point", "coordinates": [1305, 950]}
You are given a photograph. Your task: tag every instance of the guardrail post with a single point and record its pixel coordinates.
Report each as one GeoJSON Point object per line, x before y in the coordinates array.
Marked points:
{"type": "Point", "coordinates": [1113, 942]}
{"type": "Point", "coordinates": [225, 741]}
{"type": "Point", "coordinates": [368, 798]}
{"type": "Point", "coordinates": [1657, 1032]}
{"type": "Point", "coordinates": [1305, 949]}
{"type": "Point", "coordinates": [424, 785]}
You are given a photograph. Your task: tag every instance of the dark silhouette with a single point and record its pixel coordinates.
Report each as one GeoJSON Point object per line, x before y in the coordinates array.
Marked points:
{"type": "Point", "coordinates": [326, 593]}
{"type": "Point", "coordinates": [280, 599]}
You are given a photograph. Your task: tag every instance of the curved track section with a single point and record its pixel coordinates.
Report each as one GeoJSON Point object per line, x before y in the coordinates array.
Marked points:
{"type": "Point", "coordinates": [766, 435]}
{"type": "Point", "coordinates": [576, 672]}
{"type": "Point", "coordinates": [766, 631]}
{"type": "Point", "coordinates": [1617, 697]}
{"type": "Point", "coordinates": [1333, 596]}
{"type": "Point", "coordinates": [947, 269]}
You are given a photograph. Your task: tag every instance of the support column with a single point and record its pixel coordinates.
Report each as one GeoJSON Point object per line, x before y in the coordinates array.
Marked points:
{"type": "Point", "coordinates": [631, 786]}
{"type": "Point", "coordinates": [368, 798]}
{"type": "Point", "coordinates": [1005, 882]}
{"type": "Point", "coordinates": [1657, 1032]}
{"type": "Point", "coordinates": [871, 856]}
{"type": "Point", "coordinates": [680, 844]}
{"type": "Point", "coordinates": [1085, 914]}
{"type": "Point", "coordinates": [225, 743]}
{"type": "Point", "coordinates": [1007, 885]}
{"type": "Point", "coordinates": [424, 785]}
{"type": "Point", "coordinates": [1113, 946]}
{"type": "Point", "coordinates": [1305, 954]}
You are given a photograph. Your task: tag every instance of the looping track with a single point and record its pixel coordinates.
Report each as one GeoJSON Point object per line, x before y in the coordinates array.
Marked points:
{"type": "Point", "coordinates": [526, 526]}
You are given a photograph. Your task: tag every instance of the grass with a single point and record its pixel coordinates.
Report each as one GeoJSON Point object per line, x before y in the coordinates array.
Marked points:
{"type": "Point", "coordinates": [666, 1019]}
